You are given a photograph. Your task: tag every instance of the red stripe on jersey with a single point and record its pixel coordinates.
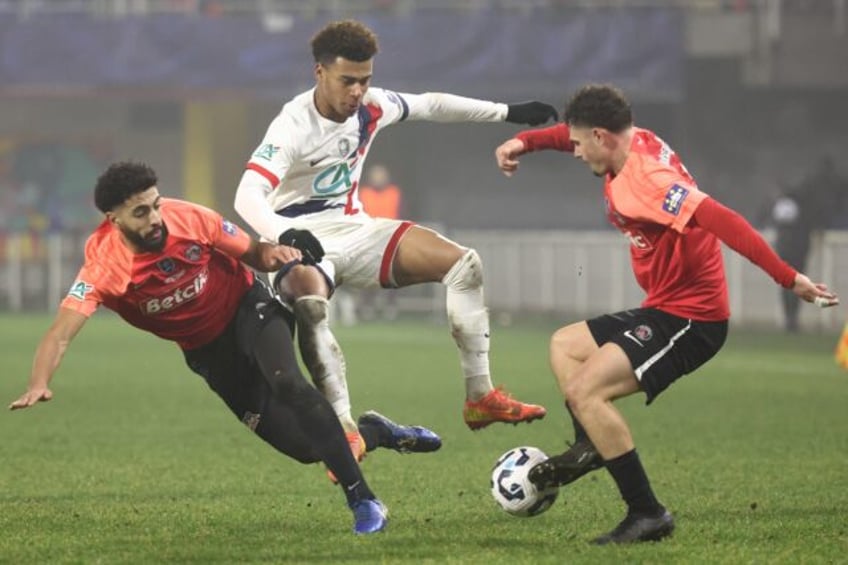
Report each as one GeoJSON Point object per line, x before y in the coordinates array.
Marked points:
{"type": "Point", "coordinates": [349, 208]}
{"type": "Point", "coordinates": [269, 176]}
{"type": "Point", "coordinates": [389, 254]}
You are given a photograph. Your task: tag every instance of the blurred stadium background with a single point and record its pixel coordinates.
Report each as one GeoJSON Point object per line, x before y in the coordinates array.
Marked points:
{"type": "Point", "coordinates": [750, 92]}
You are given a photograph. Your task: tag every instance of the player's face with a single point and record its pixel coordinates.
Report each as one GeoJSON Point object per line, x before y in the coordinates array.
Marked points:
{"type": "Point", "coordinates": [340, 87]}
{"type": "Point", "coordinates": [591, 145]}
{"type": "Point", "coordinates": [140, 220]}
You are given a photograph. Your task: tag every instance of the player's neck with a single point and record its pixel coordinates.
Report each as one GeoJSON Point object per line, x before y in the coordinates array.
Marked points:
{"type": "Point", "coordinates": [325, 110]}
{"type": "Point", "coordinates": [619, 158]}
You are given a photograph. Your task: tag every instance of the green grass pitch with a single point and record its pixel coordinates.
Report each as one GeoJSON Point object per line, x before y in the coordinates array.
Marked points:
{"type": "Point", "coordinates": [136, 461]}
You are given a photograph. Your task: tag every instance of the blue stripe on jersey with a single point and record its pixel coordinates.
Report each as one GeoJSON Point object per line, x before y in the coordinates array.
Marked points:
{"type": "Point", "coordinates": [308, 207]}
{"type": "Point", "coordinates": [405, 108]}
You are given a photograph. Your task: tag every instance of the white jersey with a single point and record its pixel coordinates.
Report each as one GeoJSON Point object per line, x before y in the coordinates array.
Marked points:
{"type": "Point", "coordinates": [307, 164]}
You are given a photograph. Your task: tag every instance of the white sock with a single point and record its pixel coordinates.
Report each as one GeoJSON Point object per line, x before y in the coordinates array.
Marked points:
{"type": "Point", "coordinates": [469, 323]}
{"type": "Point", "coordinates": [322, 355]}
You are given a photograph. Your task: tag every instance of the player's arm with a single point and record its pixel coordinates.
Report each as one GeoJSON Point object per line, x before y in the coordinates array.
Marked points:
{"type": "Point", "coordinates": [554, 137]}
{"type": "Point", "coordinates": [48, 355]}
{"type": "Point", "coordinates": [735, 231]}
{"type": "Point", "coordinates": [442, 107]}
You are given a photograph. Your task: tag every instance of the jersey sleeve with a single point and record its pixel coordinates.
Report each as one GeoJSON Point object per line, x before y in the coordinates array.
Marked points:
{"type": "Point", "coordinates": [276, 153]}
{"type": "Point", "coordinates": [394, 105]}
{"type": "Point", "coordinates": [556, 137]}
{"type": "Point", "coordinates": [659, 195]}
{"type": "Point", "coordinates": [442, 107]}
{"type": "Point", "coordinates": [86, 294]}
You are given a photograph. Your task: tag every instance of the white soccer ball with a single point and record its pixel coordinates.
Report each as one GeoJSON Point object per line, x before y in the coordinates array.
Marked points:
{"type": "Point", "coordinates": [511, 488]}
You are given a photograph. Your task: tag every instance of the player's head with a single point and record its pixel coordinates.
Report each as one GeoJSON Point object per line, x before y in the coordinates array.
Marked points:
{"type": "Point", "coordinates": [596, 116]}
{"type": "Point", "coordinates": [343, 53]}
{"type": "Point", "coordinates": [127, 194]}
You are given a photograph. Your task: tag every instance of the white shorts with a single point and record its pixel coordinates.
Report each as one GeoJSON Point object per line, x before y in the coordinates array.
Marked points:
{"type": "Point", "coordinates": [358, 249]}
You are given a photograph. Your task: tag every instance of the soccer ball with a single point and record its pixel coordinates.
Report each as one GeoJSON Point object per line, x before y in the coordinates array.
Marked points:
{"type": "Point", "coordinates": [511, 488]}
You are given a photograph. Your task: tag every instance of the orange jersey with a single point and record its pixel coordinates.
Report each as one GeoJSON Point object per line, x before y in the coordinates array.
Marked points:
{"type": "Point", "coordinates": [186, 293]}
{"type": "Point", "coordinates": [651, 201]}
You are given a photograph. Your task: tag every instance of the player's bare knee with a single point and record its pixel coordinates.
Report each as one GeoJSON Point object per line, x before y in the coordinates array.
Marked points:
{"type": "Point", "coordinates": [302, 280]}
{"type": "Point", "coordinates": [466, 274]}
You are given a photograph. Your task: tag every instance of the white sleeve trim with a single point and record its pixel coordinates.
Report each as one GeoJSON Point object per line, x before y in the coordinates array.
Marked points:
{"type": "Point", "coordinates": [442, 107]}
{"type": "Point", "coordinates": [252, 205]}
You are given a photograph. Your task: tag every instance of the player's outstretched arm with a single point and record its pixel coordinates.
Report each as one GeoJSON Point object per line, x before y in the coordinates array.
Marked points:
{"type": "Point", "coordinates": [268, 257]}
{"type": "Point", "coordinates": [507, 155]}
{"type": "Point", "coordinates": [48, 355]}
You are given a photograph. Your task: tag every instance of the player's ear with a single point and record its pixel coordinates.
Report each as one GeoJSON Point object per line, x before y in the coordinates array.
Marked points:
{"type": "Point", "coordinates": [319, 71]}
{"type": "Point", "coordinates": [113, 219]}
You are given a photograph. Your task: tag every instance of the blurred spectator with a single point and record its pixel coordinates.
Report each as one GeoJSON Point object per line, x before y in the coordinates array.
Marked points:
{"type": "Point", "coordinates": [800, 213]}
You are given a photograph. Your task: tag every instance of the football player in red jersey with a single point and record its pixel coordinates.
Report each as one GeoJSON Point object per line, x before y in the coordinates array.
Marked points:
{"type": "Point", "coordinates": [178, 270]}
{"type": "Point", "coordinates": [675, 232]}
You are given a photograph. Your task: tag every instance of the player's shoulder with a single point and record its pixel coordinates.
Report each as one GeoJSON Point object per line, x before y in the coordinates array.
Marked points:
{"type": "Point", "coordinates": [106, 255]}
{"type": "Point", "coordinates": [296, 117]}
{"type": "Point", "coordinates": [383, 98]}
{"type": "Point", "coordinates": [185, 218]}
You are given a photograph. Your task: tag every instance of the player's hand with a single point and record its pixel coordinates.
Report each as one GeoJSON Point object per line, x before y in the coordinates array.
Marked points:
{"type": "Point", "coordinates": [308, 244]}
{"type": "Point", "coordinates": [531, 113]}
{"type": "Point", "coordinates": [816, 293]}
{"type": "Point", "coordinates": [31, 397]}
{"type": "Point", "coordinates": [507, 155]}
{"type": "Point", "coordinates": [274, 257]}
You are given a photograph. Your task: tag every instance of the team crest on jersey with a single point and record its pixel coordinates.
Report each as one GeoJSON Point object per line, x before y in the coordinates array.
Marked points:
{"type": "Point", "coordinates": [643, 332]}
{"type": "Point", "coordinates": [229, 227]}
{"type": "Point", "coordinates": [673, 201]}
{"type": "Point", "coordinates": [267, 151]}
{"type": "Point", "coordinates": [80, 289]}
{"type": "Point", "coordinates": [344, 147]}
{"type": "Point", "coordinates": [166, 265]}
{"type": "Point", "coordinates": [193, 252]}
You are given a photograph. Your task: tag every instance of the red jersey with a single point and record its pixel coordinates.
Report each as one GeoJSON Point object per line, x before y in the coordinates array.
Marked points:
{"type": "Point", "coordinates": [186, 293]}
{"type": "Point", "coordinates": [651, 201]}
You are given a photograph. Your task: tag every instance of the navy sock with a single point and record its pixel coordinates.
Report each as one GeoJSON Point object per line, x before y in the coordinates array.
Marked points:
{"type": "Point", "coordinates": [633, 484]}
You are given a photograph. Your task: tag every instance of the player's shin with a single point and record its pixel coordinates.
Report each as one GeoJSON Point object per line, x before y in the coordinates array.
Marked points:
{"type": "Point", "coordinates": [469, 322]}
{"type": "Point", "coordinates": [322, 355]}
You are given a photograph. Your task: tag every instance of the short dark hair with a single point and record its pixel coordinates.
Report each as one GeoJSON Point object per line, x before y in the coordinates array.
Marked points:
{"type": "Point", "coordinates": [599, 106]}
{"type": "Point", "coordinates": [120, 181]}
{"type": "Point", "coordinates": [349, 39]}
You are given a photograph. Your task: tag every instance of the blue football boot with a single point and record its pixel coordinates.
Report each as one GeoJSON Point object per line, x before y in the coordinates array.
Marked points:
{"type": "Point", "coordinates": [369, 516]}
{"type": "Point", "coordinates": [403, 439]}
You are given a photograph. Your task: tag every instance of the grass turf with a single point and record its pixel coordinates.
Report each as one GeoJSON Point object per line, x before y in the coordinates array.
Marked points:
{"type": "Point", "coordinates": [136, 461]}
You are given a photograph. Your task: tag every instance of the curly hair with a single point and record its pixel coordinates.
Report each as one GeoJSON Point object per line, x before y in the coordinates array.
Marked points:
{"type": "Point", "coordinates": [349, 39]}
{"type": "Point", "coordinates": [121, 181]}
{"type": "Point", "coordinates": [599, 106]}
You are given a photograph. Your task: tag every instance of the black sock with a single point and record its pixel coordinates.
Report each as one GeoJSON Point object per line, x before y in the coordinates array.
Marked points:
{"type": "Point", "coordinates": [373, 436]}
{"type": "Point", "coordinates": [579, 431]}
{"type": "Point", "coordinates": [633, 484]}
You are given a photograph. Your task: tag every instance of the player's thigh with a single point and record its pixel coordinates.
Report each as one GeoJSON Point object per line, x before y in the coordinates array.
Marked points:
{"type": "Point", "coordinates": [424, 255]}
{"type": "Point", "coordinates": [606, 375]}
{"type": "Point", "coordinates": [574, 342]}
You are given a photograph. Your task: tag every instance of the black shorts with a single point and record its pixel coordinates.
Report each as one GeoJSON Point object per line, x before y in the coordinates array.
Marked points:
{"type": "Point", "coordinates": [661, 347]}
{"type": "Point", "coordinates": [228, 364]}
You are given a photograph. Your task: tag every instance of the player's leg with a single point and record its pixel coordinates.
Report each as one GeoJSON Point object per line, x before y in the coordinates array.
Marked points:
{"type": "Point", "coordinates": [425, 256]}
{"type": "Point", "coordinates": [570, 347]}
{"type": "Point", "coordinates": [306, 423]}
{"type": "Point", "coordinates": [307, 290]}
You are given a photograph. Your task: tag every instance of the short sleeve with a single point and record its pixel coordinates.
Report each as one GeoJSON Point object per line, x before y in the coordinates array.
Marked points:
{"type": "Point", "coordinates": [658, 194]}
{"type": "Point", "coordinates": [275, 154]}
{"type": "Point", "coordinates": [85, 295]}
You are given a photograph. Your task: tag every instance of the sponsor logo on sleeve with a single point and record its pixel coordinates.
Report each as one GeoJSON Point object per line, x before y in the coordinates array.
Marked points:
{"type": "Point", "coordinates": [673, 201]}
{"type": "Point", "coordinates": [80, 289]}
{"type": "Point", "coordinates": [266, 151]}
{"type": "Point", "coordinates": [229, 227]}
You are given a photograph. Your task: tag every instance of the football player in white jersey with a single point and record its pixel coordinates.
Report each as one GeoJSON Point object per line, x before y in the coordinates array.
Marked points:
{"type": "Point", "coordinates": [300, 188]}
